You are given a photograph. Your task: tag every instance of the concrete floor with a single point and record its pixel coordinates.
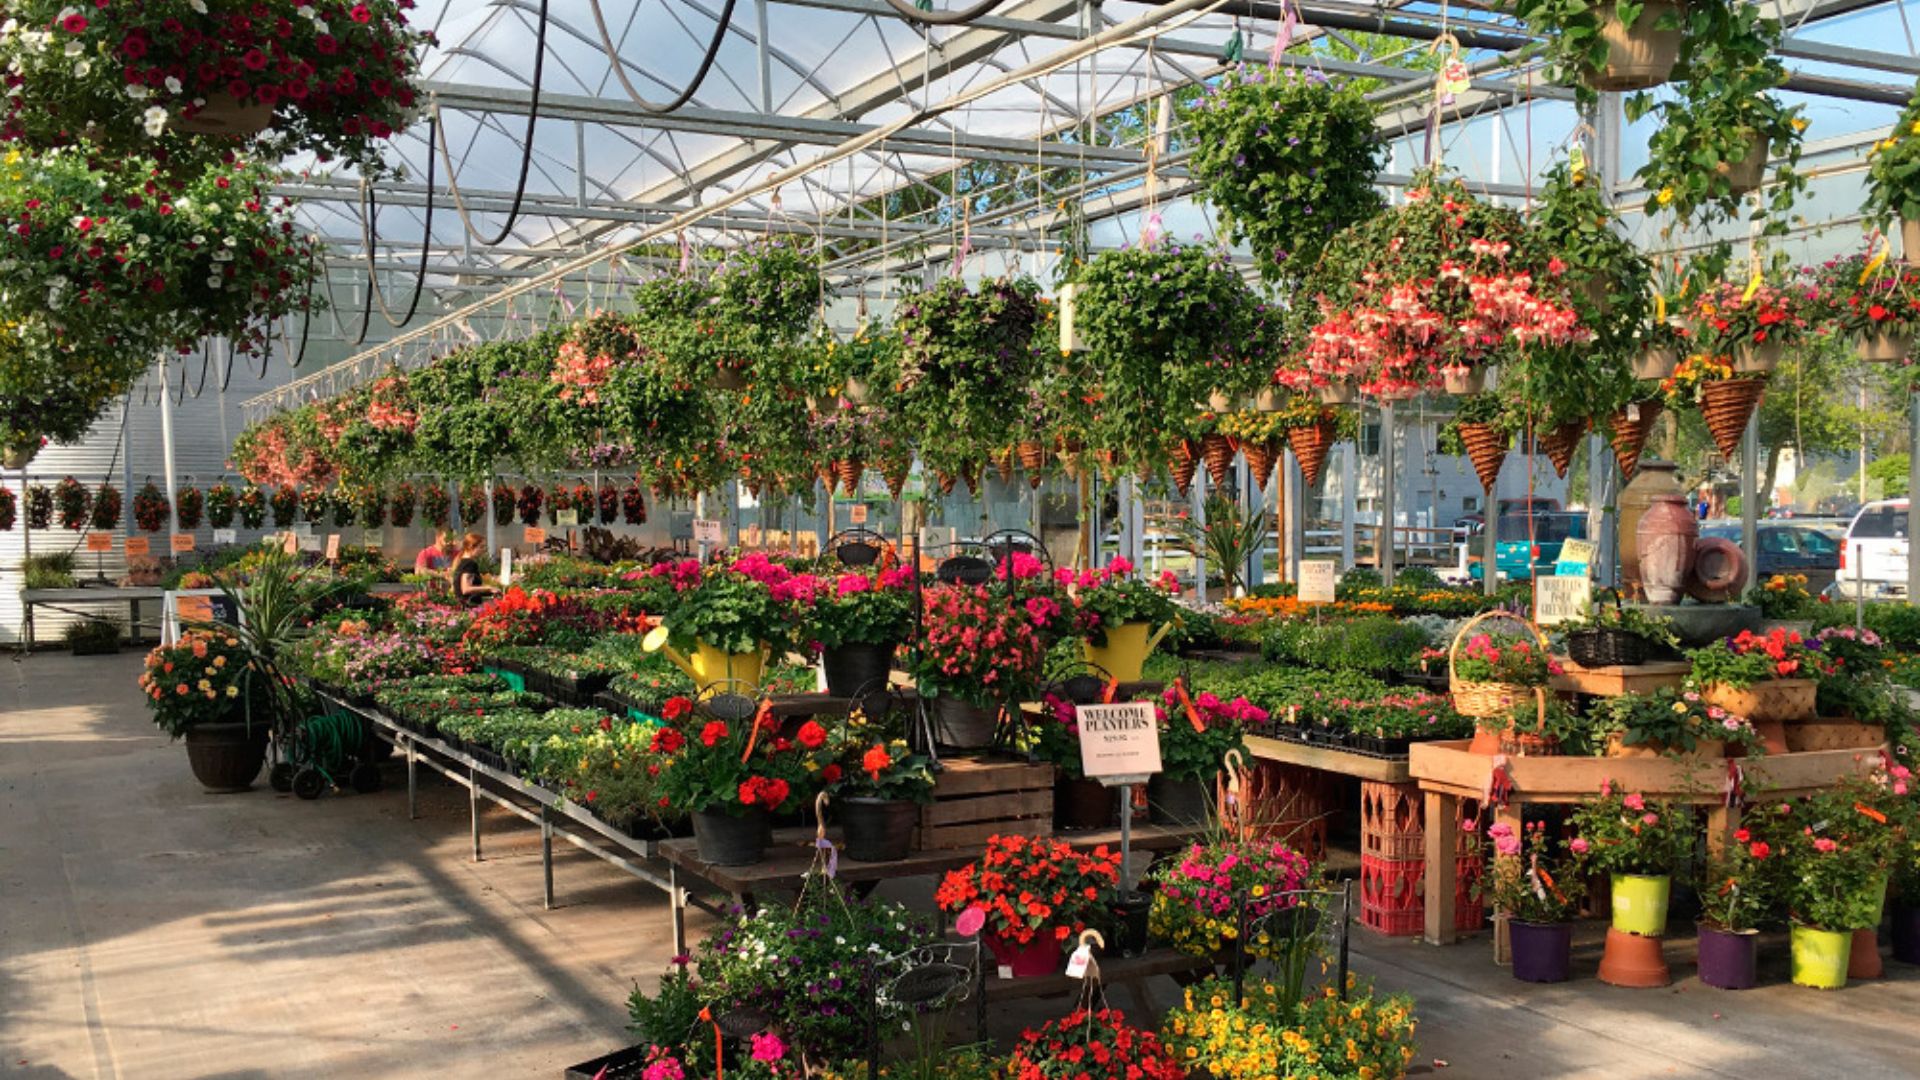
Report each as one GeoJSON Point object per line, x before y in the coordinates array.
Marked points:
{"type": "Point", "coordinates": [148, 930]}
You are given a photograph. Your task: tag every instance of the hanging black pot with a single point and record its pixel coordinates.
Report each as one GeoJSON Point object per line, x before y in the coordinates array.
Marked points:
{"type": "Point", "coordinates": [858, 666]}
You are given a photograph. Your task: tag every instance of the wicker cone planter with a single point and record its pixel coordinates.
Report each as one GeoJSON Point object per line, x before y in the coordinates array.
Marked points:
{"type": "Point", "coordinates": [973, 479]}
{"type": "Point", "coordinates": [1261, 457]}
{"type": "Point", "coordinates": [1310, 444]}
{"type": "Point", "coordinates": [828, 476]}
{"type": "Point", "coordinates": [849, 471]}
{"type": "Point", "coordinates": [1186, 462]}
{"type": "Point", "coordinates": [1003, 464]}
{"type": "Point", "coordinates": [1630, 435]}
{"type": "Point", "coordinates": [896, 477]}
{"type": "Point", "coordinates": [946, 481]}
{"type": "Point", "coordinates": [1727, 405]}
{"type": "Point", "coordinates": [1033, 460]}
{"type": "Point", "coordinates": [1487, 449]}
{"type": "Point", "coordinates": [1560, 444]}
{"type": "Point", "coordinates": [1216, 451]}
{"type": "Point", "coordinates": [1638, 55]}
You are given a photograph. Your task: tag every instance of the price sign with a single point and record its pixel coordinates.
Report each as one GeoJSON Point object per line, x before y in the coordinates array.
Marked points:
{"type": "Point", "coordinates": [182, 542]}
{"type": "Point", "coordinates": [1557, 599]}
{"type": "Point", "coordinates": [566, 518]}
{"type": "Point", "coordinates": [193, 609]}
{"type": "Point", "coordinates": [534, 534]}
{"type": "Point", "coordinates": [858, 514]}
{"type": "Point", "coordinates": [100, 543]}
{"type": "Point", "coordinates": [226, 536]}
{"type": "Point", "coordinates": [373, 537]}
{"type": "Point", "coordinates": [506, 567]}
{"type": "Point", "coordinates": [706, 531]}
{"type": "Point", "coordinates": [333, 546]}
{"type": "Point", "coordinates": [291, 545]}
{"type": "Point", "coordinates": [139, 545]}
{"type": "Point", "coordinates": [1576, 558]}
{"type": "Point", "coordinates": [1119, 744]}
{"type": "Point", "coordinates": [1317, 580]}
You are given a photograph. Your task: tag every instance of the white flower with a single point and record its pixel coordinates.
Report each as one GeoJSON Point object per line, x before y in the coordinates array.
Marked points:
{"type": "Point", "coordinates": [83, 69]}
{"type": "Point", "coordinates": [8, 27]}
{"type": "Point", "coordinates": [174, 86]}
{"type": "Point", "coordinates": [839, 940]}
{"type": "Point", "coordinates": [199, 6]}
{"type": "Point", "coordinates": [320, 25]}
{"type": "Point", "coordinates": [137, 92]}
{"type": "Point", "coordinates": [73, 48]}
{"type": "Point", "coordinates": [215, 281]}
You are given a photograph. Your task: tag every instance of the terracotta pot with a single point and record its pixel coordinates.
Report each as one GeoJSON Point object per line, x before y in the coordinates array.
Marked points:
{"type": "Point", "coordinates": [1310, 445]}
{"type": "Point", "coordinates": [1664, 540]}
{"type": "Point", "coordinates": [1641, 54]}
{"type": "Point", "coordinates": [1719, 569]}
{"type": "Point", "coordinates": [1863, 962]}
{"type": "Point", "coordinates": [1560, 443]}
{"type": "Point", "coordinates": [1745, 175]}
{"type": "Point", "coordinates": [1630, 428]}
{"type": "Point", "coordinates": [1883, 348]}
{"type": "Point", "coordinates": [1785, 701]}
{"type": "Point", "coordinates": [1487, 449]}
{"type": "Point", "coordinates": [1633, 961]}
{"type": "Point", "coordinates": [1655, 478]}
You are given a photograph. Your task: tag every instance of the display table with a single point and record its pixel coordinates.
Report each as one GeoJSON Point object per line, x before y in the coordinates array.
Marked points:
{"type": "Point", "coordinates": [1619, 679]}
{"type": "Point", "coordinates": [1448, 774]}
{"type": "Point", "coordinates": [1330, 759]}
{"type": "Point", "coordinates": [65, 600]}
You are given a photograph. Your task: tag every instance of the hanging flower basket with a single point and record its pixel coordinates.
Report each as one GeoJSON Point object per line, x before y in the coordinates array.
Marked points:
{"type": "Point", "coordinates": [1186, 462]}
{"type": "Point", "coordinates": [1727, 405]}
{"type": "Point", "coordinates": [1487, 449]}
{"type": "Point", "coordinates": [1461, 381]}
{"type": "Point", "coordinates": [1883, 348]}
{"type": "Point", "coordinates": [1744, 176]}
{"type": "Point", "coordinates": [1630, 427]}
{"type": "Point", "coordinates": [1560, 443]}
{"type": "Point", "coordinates": [1261, 454]}
{"type": "Point", "coordinates": [1337, 393]}
{"type": "Point", "coordinates": [1310, 444]}
{"type": "Point", "coordinates": [1655, 363]}
{"type": "Point", "coordinates": [1641, 54]}
{"type": "Point", "coordinates": [226, 115]}
{"type": "Point", "coordinates": [1216, 452]}
{"type": "Point", "coordinates": [1757, 358]}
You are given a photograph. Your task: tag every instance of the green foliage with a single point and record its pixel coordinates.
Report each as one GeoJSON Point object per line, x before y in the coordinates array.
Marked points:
{"type": "Point", "coordinates": [1228, 537]}
{"type": "Point", "coordinates": [1288, 158]}
{"type": "Point", "coordinates": [1668, 720]}
{"type": "Point", "coordinates": [1628, 834]}
{"type": "Point", "coordinates": [1893, 172]}
{"type": "Point", "coordinates": [1490, 408]}
{"type": "Point", "coordinates": [93, 635]}
{"type": "Point", "coordinates": [1375, 645]}
{"type": "Point", "coordinates": [52, 571]}
{"type": "Point", "coordinates": [967, 357]}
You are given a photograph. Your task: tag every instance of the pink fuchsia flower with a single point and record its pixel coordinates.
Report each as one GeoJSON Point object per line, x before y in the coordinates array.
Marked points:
{"type": "Point", "coordinates": [1649, 818]}
{"type": "Point", "coordinates": [1578, 845]}
{"type": "Point", "coordinates": [1823, 844]}
{"type": "Point", "coordinates": [664, 1069]}
{"type": "Point", "coordinates": [1633, 801]}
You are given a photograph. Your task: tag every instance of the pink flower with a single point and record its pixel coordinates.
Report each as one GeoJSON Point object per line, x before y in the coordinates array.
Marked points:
{"type": "Point", "coordinates": [1578, 845]}
{"type": "Point", "coordinates": [768, 1047]}
{"type": "Point", "coordinates": [1823, 844]}
{"type": "Point", "coordinates": [1649, 818]}
{"type": "Point", "coordinates": [1634, 802]}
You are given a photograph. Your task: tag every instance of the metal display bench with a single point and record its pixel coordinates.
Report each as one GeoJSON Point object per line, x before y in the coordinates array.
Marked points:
{"type": "Point", "coordinates": [555, 816]}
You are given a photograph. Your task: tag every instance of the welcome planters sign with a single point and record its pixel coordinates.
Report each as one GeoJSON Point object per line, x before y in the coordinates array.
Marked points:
{"type": "Point", "coordinates": [1119, 744]}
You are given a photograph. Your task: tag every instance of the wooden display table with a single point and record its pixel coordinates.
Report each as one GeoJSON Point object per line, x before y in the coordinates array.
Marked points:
{"type": "Point", "coordinates": [1330, 759]}
{"type": "Point", "coordinates": [1447, 773]}
{"type": "Point", "coordinates": [1619, 679]}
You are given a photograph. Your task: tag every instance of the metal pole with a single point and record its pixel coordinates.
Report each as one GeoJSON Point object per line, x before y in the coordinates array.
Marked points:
{"type": "Point", "coordinates": [546, 856]}
{"type": "Point", "coordinates": [1199, 512]}
{"type": "Point", "coordinates": [1296, 507]}
{"type": "Point", "coordinates": [1913, 500]}
{"type": "Point", "coordinates": [1490, 542]}
{"type": "Point", "coordinates": [1750, 498]}
{"type": "Point", "coordinates": [1388, 470]}
{"type": "Point", "coordinates": [1349, 477]}
{"type": "Point", "coordinates": [166, 455]}
{"type": "Point", "coordinates": [473, 807]}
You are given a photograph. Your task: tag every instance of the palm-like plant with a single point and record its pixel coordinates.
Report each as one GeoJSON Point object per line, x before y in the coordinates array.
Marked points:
{"type": "Point", "coordinates": [1226, 539]}
{"type": "Point", "coordinates": [275, 603]}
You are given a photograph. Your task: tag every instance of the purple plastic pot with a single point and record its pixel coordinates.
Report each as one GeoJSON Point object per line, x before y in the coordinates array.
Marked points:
{"type": "Point", "coordinates": [1906, 932]}
{"type": "Point", "coordinates": [1542, 952]}
{"type": "Point", "coordinates": [1729, 960]}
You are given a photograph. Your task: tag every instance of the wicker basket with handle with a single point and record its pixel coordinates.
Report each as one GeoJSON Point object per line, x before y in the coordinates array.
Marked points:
{"type": "Point", "coordinates": [1478, 699]}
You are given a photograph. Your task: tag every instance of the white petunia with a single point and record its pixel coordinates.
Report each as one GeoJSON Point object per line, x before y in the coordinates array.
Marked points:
{"type": "Point", "coordinates": [174, 85]}
{"type": "Point", "coordinates": [83, 69]}
{"type": "Point", "coordinates": [73, 48]}
{"type": "Point", "coordinates": [154, 120]}
{"type": "Point", "coordinates": [199, 6]}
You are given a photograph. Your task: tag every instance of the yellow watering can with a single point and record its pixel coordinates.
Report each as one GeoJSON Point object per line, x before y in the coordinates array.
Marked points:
{"type": "Point", "coordinates": [1127, 648]}
{"type": "Point", "coordinates": [709, 664]}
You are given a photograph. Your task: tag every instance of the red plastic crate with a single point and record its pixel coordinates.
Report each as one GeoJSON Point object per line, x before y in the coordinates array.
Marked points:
{"type": "Point", "coordinates": [1292, 804]}
{"type": "Point", "coordinates": [1392, 822]}
{"type": "Point", "coordinates": [1390, 895]}
{"type": "Point", "coordinates": [1469, 911]}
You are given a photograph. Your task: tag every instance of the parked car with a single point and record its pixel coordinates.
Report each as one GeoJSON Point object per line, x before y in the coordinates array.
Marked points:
{"type": "Point", "coordinates": [1789, 547]}
{"type": "Point", "coordinates": [1525, 545]}
{"type": "Point", "coordinates": [1873, 557]}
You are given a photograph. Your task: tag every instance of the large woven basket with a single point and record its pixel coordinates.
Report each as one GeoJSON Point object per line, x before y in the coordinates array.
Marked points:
{"type": "Point", "coordinates": [1607, 647]}
{"type": "Point", "coordinates": [1767, 701]}
{"type": "Point", "coordinates": [1478, 699]}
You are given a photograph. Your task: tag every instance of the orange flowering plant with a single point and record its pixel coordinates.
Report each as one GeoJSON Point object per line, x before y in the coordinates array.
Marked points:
{"type": "Point", "coordinates": [735, 768]}
{"type": "Point", "coordinates": [203, 678]}
{"type": "Point", "coordinates": [1033, 887]}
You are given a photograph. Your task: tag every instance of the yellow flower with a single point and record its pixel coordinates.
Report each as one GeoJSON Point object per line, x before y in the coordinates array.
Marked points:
{"type": "Point", "coordinates": [1666, 195]}
{"type": "Point", "coordinates": [1915, 129]}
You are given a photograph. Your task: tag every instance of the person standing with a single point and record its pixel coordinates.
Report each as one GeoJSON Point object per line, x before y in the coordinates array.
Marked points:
{"type": "Point", "coordinates": [468, 586]}
{"type": "Point", "coordinates": [435, 556]}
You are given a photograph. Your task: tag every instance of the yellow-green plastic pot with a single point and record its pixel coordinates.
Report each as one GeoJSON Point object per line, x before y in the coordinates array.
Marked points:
{"type": "Point", "coordinates": [1820, 957]}
{"type": "Point", "coordinates": [1640, 904]}
{"type": "Point", "coordinates": [1124, 656]}
{"type": "Point", "coordinates": [711, 665]}
{"type": "Point", "coordinates": [1877, 888]}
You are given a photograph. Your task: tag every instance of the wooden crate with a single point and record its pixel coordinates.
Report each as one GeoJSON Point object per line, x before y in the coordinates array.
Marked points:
{"type": "Point", "coordinates": [974, 800]}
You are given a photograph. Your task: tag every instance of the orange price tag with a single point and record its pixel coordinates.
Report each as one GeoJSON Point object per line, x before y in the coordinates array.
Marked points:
{"type": "Point", "coordinates": [291, 545]}
{"type": "Point", "coordinates": [333, 546]}
{"type": "Point", "coordinates": [534, 534]}
{"type": "Point", "coordinates": [183, 542]}
{"type": "Point", "coordinates": [857, 514]}
{"type": "Point", "coordinates": [100, 542]}
{"type": "Point", "coordinates": [1186, 703]}
{"type": "Point", "coordinates": [194, 609]}
{"type": "Point", "coordinates": [139, 545]}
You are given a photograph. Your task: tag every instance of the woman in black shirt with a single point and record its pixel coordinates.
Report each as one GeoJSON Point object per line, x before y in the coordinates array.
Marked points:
{"type": "Point", "coordinates": [468, 588]}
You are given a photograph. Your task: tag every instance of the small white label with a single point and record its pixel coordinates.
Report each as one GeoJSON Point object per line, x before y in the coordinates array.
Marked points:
{"type": "Point", "coordinates": [506, 567]}
{"type": "Point", "coordinates": [1317, 580]}
{"type": "Point", "coordinates": [1006, 972]}
{"type": "Point", "coordinates": [1633, 412]}
{"type": "Point", "coordinates": [566, 518]}
{"type": "Point", "coordinates": [706, 531]}
{"type": "Point", "coordinates": [226, 536]}
{"type": "Point", "coordinates": [1077, 963]}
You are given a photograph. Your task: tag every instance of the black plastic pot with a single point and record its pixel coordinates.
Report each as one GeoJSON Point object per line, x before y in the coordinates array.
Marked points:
{"type": "Point", "coordinates": [877, 830]}
{"type": "Point", "coordinates": [627, 1064]}
{"type": "Point", "coordinates": [1130, 914]}
{"type": "Point", "coordinates": [1177, 802]}
{"type": "Point", "coordinates": [1083, 804]}
{"type": "Point", "coordinates": [856, 667]}
{"type": "Point", "coordinates": [226, 758]}
{"type": "Point", "coordinates": [725, 840]}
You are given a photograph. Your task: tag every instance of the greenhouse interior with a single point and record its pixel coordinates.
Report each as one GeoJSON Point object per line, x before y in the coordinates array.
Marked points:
{"type": "Point", "coordinates": [1193, 540]}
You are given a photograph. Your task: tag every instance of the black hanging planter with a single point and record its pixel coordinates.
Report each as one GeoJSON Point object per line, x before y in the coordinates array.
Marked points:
{"type": "Point", "coordinates": [857, 666]}
{"type": "Point", "coordinates": [877, 830]}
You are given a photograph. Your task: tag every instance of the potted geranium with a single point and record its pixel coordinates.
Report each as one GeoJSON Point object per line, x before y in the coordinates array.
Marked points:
{"type": "Point", "coordinates": [1737, 888]}
{"type": "Point", "coordinates": [1876, 305]}
{"type": "Point", "coordinates": [204, 687]}
{"type": "Point", "coordinates": [1122, 616]}
{"type": "Point", "coordinates": [1770, 678]}
{"type": "Point", "coordinates": [1094, 1044]}
{"type": "Point", "coordinates": [857, 620]}
{"type": "Point", "coordinates": [1198, 898]}
{"type": "Point", "coordinates": [1752, 325]}
{"type": "Point", "coordinates": [980, 651]}
{"type": "Point", "coordinates": [878, 786]}
{"type": "Point", "coordinates": [1035, 895]}
{"type": "Point", "coordinates": [730, 777]}
{"type": "Point", "coordinates": [1197, 732]}
{"type": "Point", "coordinates": [1637, 843]}
{"type": "Point", "coordinates": [1535, 881]}
{"type": "Point", "coordinates": [1669, 721]}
